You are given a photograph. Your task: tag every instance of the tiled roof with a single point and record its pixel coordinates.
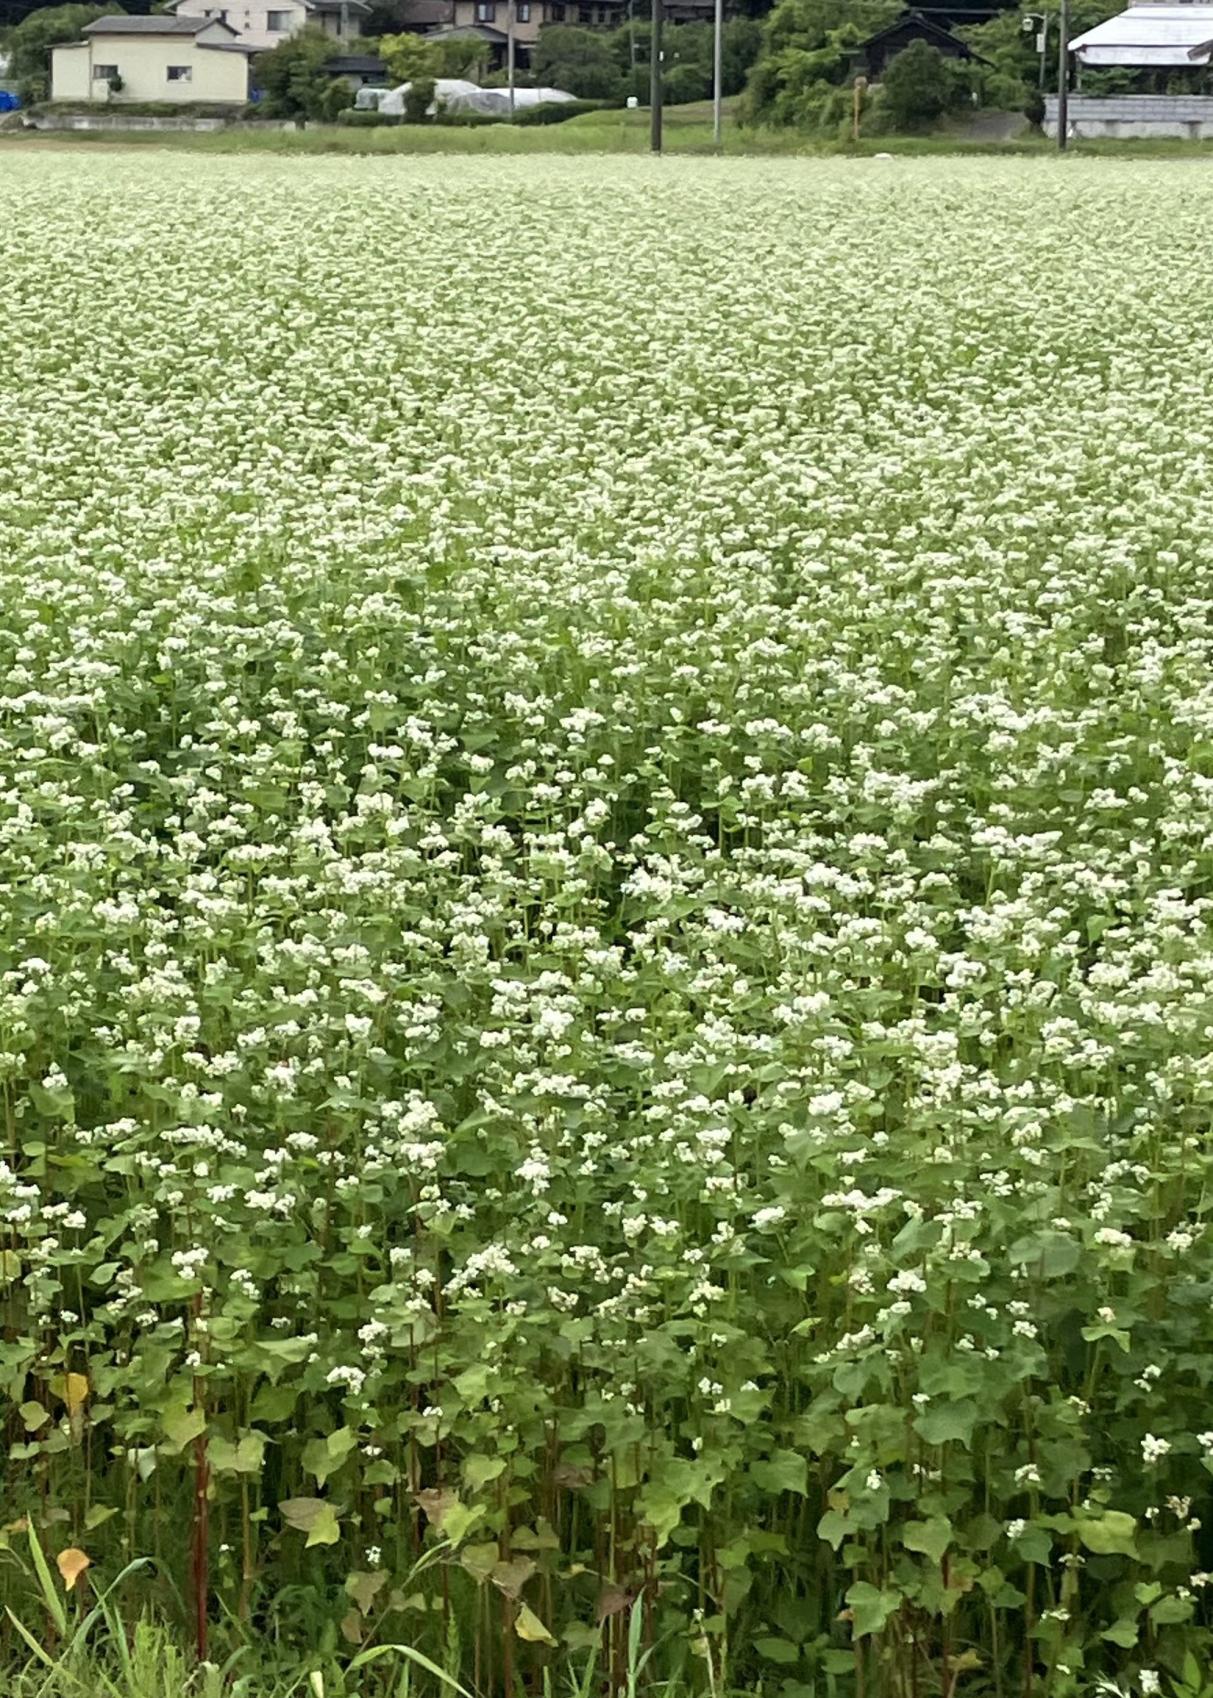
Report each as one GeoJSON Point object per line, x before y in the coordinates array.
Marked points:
{"type": "Point", "coordinates": [163, 25]}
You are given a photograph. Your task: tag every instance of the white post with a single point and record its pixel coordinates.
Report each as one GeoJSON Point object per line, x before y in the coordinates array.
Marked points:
{"type": "Point", "coordinates": [718, 76]}
{"type": "Point", "coordinates": [509, 53]}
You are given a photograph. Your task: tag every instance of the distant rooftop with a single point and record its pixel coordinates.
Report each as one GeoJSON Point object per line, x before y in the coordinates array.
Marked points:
{"type": "Point", "coordinates": [1154, 32]}
{"type": "Point", "coordinates": [120, 24]}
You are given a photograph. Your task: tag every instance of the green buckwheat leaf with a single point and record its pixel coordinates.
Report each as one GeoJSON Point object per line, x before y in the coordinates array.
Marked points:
{"type": "Point", "coordinates": [1113, 1534]}
{"type": "Point", "coordinates": [782, 1471]}
{"type": "Point", "coordinates": [778, 1650]}
{"type": "Point", "coordinates": [871, 1606]}
{"type": "Point", "coordinates": [1123, 1633]}
{"type": "Point", "coordinates": [946, 1423]}
{"type": "Point", "coordinates": [1049, 1255]}
{"type": "Point", "coordinates": [243, 1457]}
{"type": "Point", "coordinates": [932, 1537]}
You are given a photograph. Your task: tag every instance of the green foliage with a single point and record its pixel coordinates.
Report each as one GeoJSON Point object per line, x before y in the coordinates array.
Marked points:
{"type": "Point", "coordinates": [807, 25]}
{"type": "Point", "coordinates": [1007, 42]}
{"type": "Point", "coordinates": [583, 62]}
{"type": "Point", "coordinates": [918, 85]}
{"type": "Point", "coordinates": [555, 111]}
{"type": "Point", "coordinates": [411, 56]}
{"type": "Point", "coordinates": [807, 52]}
{"type": "Point", "coordinates": [293, 79]}
{"type": "Point", "coordinates": [418, 100]}
{"type": "Point", "coordinates": [463, 56]}
{"type": "Point", "coordinates": [688, 50]}
{"type": "Point", "coordinates": [334, 100]}
{"type": "Point", "coordinates": [801, 86]}
{"type": "Point", "coordinates": [30, 43]}
{"type": "Point", "coordinates": [354, 120]}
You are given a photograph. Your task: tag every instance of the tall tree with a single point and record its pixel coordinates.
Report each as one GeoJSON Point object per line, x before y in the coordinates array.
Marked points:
{"type": "Point", "coordinates": [292, 77]}
{"type": "Point", "coordinates": [30, 44]}
{"type": "Point", "coordinates": [578, 60]}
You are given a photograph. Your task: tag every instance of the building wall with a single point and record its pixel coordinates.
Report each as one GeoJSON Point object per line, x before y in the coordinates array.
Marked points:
{"type": "Point", "coordinates": [143, 63]}
{"type": "Point", "coordinates": [593, 14]}
{"type": "Point", "coordinates": [70, 73]}
{"type": "Point", "coordinates": [468, 12]}
{"type": "Point", "coordinates": [1186, 116]}
{"type": "Point", "coordinates": [253, 19]}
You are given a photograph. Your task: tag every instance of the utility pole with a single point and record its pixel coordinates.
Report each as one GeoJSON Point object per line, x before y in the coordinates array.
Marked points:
{"type": "Point", "coordinates": [655, 90]}
{"type": "Point", "coordinates": [1063, 78]}
{"type": "Point", "coordinates": [511, 15]}
{"type": "Point", "coordinates": [1044, 46]}
{"type": "Point", "coordinates": [718, 79]}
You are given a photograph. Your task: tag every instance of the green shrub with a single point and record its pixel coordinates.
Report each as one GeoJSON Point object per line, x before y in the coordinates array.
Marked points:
{"type": "Point", "coordinates": [559, 111]}
{"type": "Point", "coordinates": [418, 100]}
{"type": "Point", "coordinates": [31, 42]}
{"type": "Point", "coordinates": [353, 120]}
{"type": "Point", "coordinates": [335, 100]}
{"type": "Point", "coordinates": [293, 79]}
{"type": "Point", "coordinates": [581, 61]}
{"type": "Point", "coordinates": [918, 86]}
{"type": "Point", "coordinates": [684, 83]}
{"type": "Point", "coordinates": [467, 120]}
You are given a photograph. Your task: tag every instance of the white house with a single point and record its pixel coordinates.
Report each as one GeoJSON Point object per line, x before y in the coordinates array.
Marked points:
{"type": "Point", "coordinates": [1158, 39]}
{"type": "Point", "coordinates": [125, 59]}
{"type": "Point", "coordinates": [262, 24]}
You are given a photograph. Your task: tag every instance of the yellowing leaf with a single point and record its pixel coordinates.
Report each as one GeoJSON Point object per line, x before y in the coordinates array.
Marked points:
{"type": "Point", "coordinates": [73, 1389]}
{"type": "Point", "coordinates": [459, 1521]}
{"type": "Point", "coordinates": [314, 1517]}
{"type": "Point", "coordinates": [528, 1626]}
{"type": "Point", "coordinates": [364, 1586]}
{"type": "Point", "coordinates": [511, 1577]}
{"type": "Point", "coordinates": [325, 1530]}
{"type": "Point", "coordinates": [72, 1564]}
{"type": "Point", "coordinates": [446, 1514]}
{"type": "Point", "coordinates": [480, 1560]}
{"type": "Point", "coordinates": [436, 1501]}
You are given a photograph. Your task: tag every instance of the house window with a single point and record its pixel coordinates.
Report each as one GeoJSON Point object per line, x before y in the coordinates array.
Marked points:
{"type": "Point", "coordinates": [104, 73]}
{"type": "Point", "coordinates": [557, 14]}
{"type": "Point", "coordinates": [181, 73]}
{"type": "Point", "coordinates": [278, 23]}
{"type": "Point", "coordinates": [486, 11]}
{"type": "Point", "coordinates": [524, 11]}
{"type": "Point", "coordinates": [585, 14]}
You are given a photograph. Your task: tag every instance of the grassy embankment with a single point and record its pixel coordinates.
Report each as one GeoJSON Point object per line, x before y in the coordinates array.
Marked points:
{"type": "Point", "coordinates": [688, 130]}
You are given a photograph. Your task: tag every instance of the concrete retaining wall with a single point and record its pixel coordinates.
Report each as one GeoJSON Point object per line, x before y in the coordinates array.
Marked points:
{"type": "Point", "coordinates": [114, 121]}
{"type": "Point", "coordinates": [1188, 117]}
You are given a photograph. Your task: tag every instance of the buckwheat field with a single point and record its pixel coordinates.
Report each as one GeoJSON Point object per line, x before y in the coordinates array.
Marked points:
{"type": "Point", "coordinates": [606, 784]}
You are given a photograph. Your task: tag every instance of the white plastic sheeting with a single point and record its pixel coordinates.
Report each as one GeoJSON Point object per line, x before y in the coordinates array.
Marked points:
{"type": "Point", "coordinates": [1150, 34]}
{"type": "Point", "coordinates": [456, 94]}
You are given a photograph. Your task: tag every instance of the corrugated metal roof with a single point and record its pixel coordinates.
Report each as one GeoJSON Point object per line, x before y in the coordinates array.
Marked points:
{"type": "Point", "coordinates": [1150, 34]}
